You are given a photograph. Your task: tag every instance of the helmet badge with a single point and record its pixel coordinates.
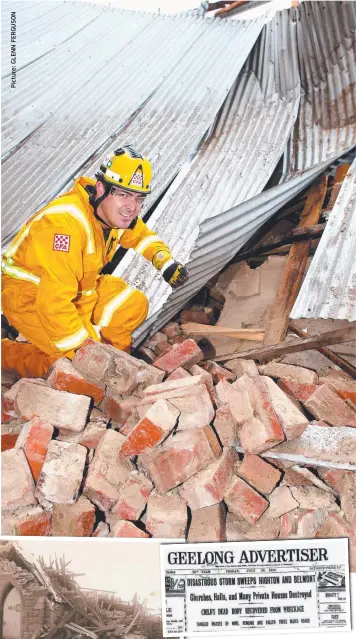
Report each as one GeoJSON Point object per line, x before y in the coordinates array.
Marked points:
{"type": "Point", "coordinates": [137, 178]}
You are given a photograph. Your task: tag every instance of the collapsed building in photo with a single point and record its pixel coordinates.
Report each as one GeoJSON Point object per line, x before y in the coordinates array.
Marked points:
{"type": "Point", "coordinates": [41, 600]}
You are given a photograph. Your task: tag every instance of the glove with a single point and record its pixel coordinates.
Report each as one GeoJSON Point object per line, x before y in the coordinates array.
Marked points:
{"type": "Point", "coordinates": [176, 275]}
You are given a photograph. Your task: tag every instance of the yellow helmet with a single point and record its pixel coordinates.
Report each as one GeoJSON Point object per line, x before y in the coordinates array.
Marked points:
{"type": "Point", "coordinates": [128, 170]}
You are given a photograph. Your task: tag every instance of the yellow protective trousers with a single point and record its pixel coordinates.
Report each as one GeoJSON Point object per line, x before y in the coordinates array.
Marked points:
{"type": "Point", "coordinates": [118, 310]}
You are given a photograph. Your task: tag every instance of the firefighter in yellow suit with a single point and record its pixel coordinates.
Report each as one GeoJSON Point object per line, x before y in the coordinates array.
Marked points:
{"type": "Point", "coordinates": [52, 289]}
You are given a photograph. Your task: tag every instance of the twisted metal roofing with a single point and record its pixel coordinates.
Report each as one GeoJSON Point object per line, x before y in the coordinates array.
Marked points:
{"type": "Point", "coordinates": [329, 289]}
{"type": "Point", "coordinates": [326, 124]}
{"type": "Point", "coordinates": [220, 238]}
{"type": "Point", "coordinates": [162, 77]}
{"type": "Point", "coordinates": [233, 164]}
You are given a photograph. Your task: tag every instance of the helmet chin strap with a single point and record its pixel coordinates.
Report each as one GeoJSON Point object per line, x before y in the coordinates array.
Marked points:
{"type": "Point", "coordinates": [96, 203]}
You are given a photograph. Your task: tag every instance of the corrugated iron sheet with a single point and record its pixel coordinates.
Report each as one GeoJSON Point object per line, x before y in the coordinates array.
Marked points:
{"type": "Point", "coordinates": [329, 289]}
{"type": "Point", "coordinates": [40, 27]}
{"type": "Point", "coordinates": [326, 124]}
{"type": "Point", "coordinates": [234, 163]}
{"type": "Point", "coordinates": [220, 238]}
{"type": "Point", "coordinates": [320, 67]}
{"type": "Point", "coordinates": [168, 77]}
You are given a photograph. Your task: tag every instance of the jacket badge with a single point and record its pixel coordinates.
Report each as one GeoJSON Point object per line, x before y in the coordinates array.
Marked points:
{"type": "Point", "coordinates": [61, 243]}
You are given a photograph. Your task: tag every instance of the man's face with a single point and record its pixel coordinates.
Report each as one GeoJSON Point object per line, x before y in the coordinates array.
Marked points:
{"type": "Point", "coordinates": [120, 207]}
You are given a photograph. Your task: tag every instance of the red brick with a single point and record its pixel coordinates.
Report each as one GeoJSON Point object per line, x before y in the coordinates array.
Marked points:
{"type": "Point", "coordinates": [348, 498]}
{"type": "Point", "coordinates": [151, 342]}
{"type": "Point", "coordinates": [292, 420]}
{"type": "Point", "coordinates": [310, 522]}
{"type": "Point", "coordinates": [119, 408]}
{"type": "Point", "coordinates": [281, 501]}
{"type": "Point", "coordinates": [146, 354]}
{"type": "Point", "coordinates": [298, 476]}
{"type": "Point", "coordinates": [26, 522]}
{"type": "Point", "coordinates": [162, 348]}
{"type": "Point", "coordinates": [297, 390]}
{"type": "Point", "coordinates": [239, 401]}
{"type": "Point", "coordinates": [203, 316]}
{"type": "Point", "coordinates": [336, 526]}
{"type": "Point", "coordinates": [8, 441]}
{"type": "Point", "coordinates": [179, 373]}
{"type": "Point", "coordinates": [209, 485]}
{"type": "Point", "coordinates": [226, 427]}
{"type": "Point", "coordinates": [208, 524]}
{"type": "Point", "coordinates": [172, 329]}
{"type": "Point", "coordinates": [313, 498]}
{"type": "Point", "coordinates": [236, 527]}
{"type": "Point", "coordinates": [7, 417]}
{"type": "Point", "coordinates": [61, 409]}
{"type": "Point", "coordinates": [102, 530]}
{"type": "Point", "coordinates": [289, 523]}
{"type": "Point", "coordinates": [126, 529]}
{"type": "Point", "coordinates": [167, 516]}
{"type": "Point", "coordinates": [222, 390]}
{"type": "Point", "coordinates": [176, 384]}
{"type": "Point", "coordinates": [151, 430]}
{"type": "Point", "coordinates": [181, 456]}
{"type": "Point", "coordinates": [334, 477]}
{"type": "Point", "coordinates": [198, 370]}
{"type": "Point", "coordinates": [8, 398]}
{"type": "Point", "coordinates": [93, 359]}
{"type": "Point", "coordinates": [115, 370]}
{"type": "Point", "coordinates": [254, 437]}
{"type": "Point", "coordinates": [76, 520]}
{"type": "Point", "coordinates": [263, 431]}
{"type": "Point", "coordinates": [65, 377]}
{"type": "Point", "coordinates": [326, 404]}
{"type": "Point", "coordinates": [89, 437]}
{"type": "Point", "coordinates": [185, 355]}
{"type": "Point", "coordinates": [288, 371]}
{"type": "Point", "coordinates": [265, 528]}
{"type": "Point", "coordinates": [8, 378]}
{"type": "Point", "coordinates": [62, 473]}
{"type": "Point", "coordinates": [345, 388]}
{"type": "Point", "coordinates": [244, 501]}
{"type": "Point", "coordinates": [133, 497]}
{"type": "Point", "coordinates": [108, 472]}
{"type": "Point", "coordinates": [193, 402]}
{"type": "Point", "coordinates": [17, 485]}
{"type": "Point", "coordinates": [242, 367]}
{"type": "Point", "coordinates": [34, 440]}
{"type": "Point", "coordinates": [130, 424]}
{"type": "Point", "coordinates": [258, 473]}
{"type": "Point", "coordinates": [218, 372]}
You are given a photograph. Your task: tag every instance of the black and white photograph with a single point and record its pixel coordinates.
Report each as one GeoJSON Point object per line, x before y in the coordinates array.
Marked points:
{"type": "Point", "coordinates": [67, 589]}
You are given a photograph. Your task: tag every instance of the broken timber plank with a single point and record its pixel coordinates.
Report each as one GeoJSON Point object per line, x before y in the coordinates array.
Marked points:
{"type": "Point", "coordinates": [252, 334]}
{"type": "Point", "coordinates": [339, 336]}
{"type": "Point", "coordinates": [340, 175]}
{"type": "Point", "coordinates": [230, 7]}
{"type": "Point", "coordinates": [296, 235]}
{"type": "Point", "coordinates": [294, 268]}
{"type": "Point", "coordinates": [336, 359]}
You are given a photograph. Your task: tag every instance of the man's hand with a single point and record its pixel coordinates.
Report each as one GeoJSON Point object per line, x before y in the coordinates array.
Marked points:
{"type": "Point", "coordinates": [176, 275]}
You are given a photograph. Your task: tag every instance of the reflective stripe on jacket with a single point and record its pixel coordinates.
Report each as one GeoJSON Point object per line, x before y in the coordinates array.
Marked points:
{"type": "Point", "coordinates": [60, 252]}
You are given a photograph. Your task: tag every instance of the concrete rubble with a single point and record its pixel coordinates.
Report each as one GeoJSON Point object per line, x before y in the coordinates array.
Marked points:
{"type": "Point", "coordinates": [182, 447]}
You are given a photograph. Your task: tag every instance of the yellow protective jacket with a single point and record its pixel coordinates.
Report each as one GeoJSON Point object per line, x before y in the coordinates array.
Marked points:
{"type": "Point", "coordinates": [58, 255]}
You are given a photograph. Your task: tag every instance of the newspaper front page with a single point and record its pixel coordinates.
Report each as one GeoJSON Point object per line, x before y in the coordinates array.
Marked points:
{"type": "Point", "coordinates": [275, 586]}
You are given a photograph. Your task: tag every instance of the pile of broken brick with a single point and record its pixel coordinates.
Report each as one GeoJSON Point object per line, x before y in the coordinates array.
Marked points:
{"type": "Point", "coordinates": [109, 445]}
